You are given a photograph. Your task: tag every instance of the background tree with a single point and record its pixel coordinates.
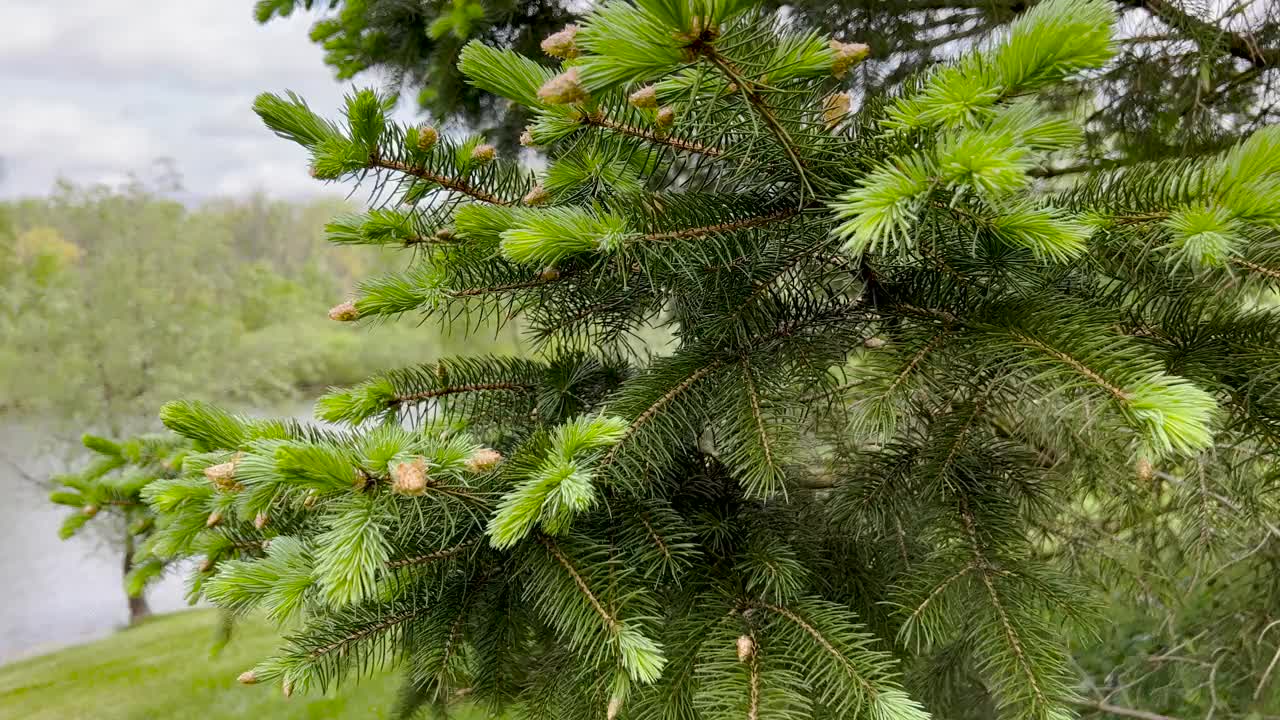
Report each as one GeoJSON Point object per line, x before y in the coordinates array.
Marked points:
{"type": "Point", "coordinates": [111, 487]}
{"type": "Point", "coordinates": [901, 372]}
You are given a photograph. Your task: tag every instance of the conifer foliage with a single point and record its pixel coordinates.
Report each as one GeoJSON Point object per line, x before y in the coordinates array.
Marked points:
{"type": "Point", "coordinates": [895, 363]}
{"type": "Point", "coordinates": [111, 486]}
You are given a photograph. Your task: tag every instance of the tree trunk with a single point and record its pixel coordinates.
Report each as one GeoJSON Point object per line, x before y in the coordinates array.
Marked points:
{"type": "Point", "coordinates": [138, 608]}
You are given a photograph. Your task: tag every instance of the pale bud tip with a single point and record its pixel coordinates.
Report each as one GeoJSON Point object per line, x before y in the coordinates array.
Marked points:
{"type": "Point", "coordinates": [344, 312]}
{"type": "Point", "coordinates": [646, 98]}
{"type": "Point", "coordinates": [248, 677]}
{"type": "Point", "coordinates": [483, 460]}
{"type": "Point", "coordinates": [427, 137]}
{"type": "Point", "coordinates": [563, 89]}
{"type": "Point", "coordinates": [562, 44]}
{"type": "Point", "coordinates": [746, 648]}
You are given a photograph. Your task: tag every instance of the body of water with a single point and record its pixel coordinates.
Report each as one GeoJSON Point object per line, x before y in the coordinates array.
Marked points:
{"type": "Point", "coordinates": [55, 592]}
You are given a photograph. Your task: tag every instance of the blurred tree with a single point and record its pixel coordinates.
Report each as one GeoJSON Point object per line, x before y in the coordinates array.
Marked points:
{"type": "Point", "coordinates": [110, 486]}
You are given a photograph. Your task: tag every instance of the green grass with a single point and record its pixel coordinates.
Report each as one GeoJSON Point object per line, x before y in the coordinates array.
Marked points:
{"type": "Point", "coordinates": [163, 669]}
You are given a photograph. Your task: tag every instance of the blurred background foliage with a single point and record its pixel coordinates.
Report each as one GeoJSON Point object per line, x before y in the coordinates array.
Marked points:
{"type": "Point", "coordinates": [114, 301]}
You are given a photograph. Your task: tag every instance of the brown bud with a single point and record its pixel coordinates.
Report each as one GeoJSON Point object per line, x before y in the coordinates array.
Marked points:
{"type": "Point", "coordinates": [427, 138]}
{"type": "Point", "coordinates": [483, 460]}
{"type": "Point", "coordinates": [746, 648]}
{"type": "Point", "coordinates": [549, 273]}
{"type": "Point", "coordinates": [409, 477]}
{"type": "Point", "coordinates": [214, 518]}
{"type": "Point", "coordinates": [834, 108]}
{"type": "Point", "coordinates": [526, 139]}
{"type": "Point", "coordinates": [1145, 470]}
{"type": "Point", "coordinates": [248, 677]}
{"type": "Point", "coordinates": [313, 171]}
{"type": "Point", "coordinates": [446, 235]}
{"type": "Point", "coordinates": [563, 89]}
{"type": "Point", "coordinates": [536, 196]}
{"type": "Point", "coordinates": [615, 706]}
{"type": "Point", "coordinates": [847, 55]}
{"type": "Point", "coordinates": [873, 343]}
{"type": "Point", "coordinates": [344, 312]}
{"type": "Point", "coordinates": [223, 475]}
{"type": "Point", "coordinates": [484, 154]}
{"type": "Point", "coordinates": [286, 687]}
{"type": "Point", "coordinates": [260, 521]}
{"type": "Point", "coordinates": [666, 117]}
{"type": "Point", "coordinates": [562, 44]}
{"type": "Point", "coordinates": [89, 510]}
{"type": "Point", "coordinates": [646, 98]}
{"type": "Point", "coordinates": [310, 500]}
{"type": "Point", "coordinates": [207, 565]}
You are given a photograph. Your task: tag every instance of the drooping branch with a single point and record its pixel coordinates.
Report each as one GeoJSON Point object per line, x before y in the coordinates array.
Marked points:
{"type": "Point", "coordinates": [750, 90]}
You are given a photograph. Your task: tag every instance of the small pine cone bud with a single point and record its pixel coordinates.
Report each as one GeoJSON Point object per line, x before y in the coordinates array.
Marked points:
{"type": "Point", "coordinates": [834, 108]}
{"type": "Point", "coordinates": [446, 235]}
{"type": "Point", "coordinates": [746, 648]}
{"type": "Point", "coordinates": [310, 500]}
{"type": "Point", "coordinates": [562, 44]}
{"type": "Point", "coordinates": [483, 460]}
{"type": "Point", "coordinates": [260, 521]}
{"type": "Point", "coordinates": [847, 55]}
{"type": "Point", "coordinates": [344, 312]}
{"type": "Point", "coordinates": [1145, 470]}
{"type": "Point", "coordinates": [537, 196]}
{"type": "Point", "coordinates": [248, 677]}
{"type": "Point", "coordinates": [484, 154]}
{"type": "Point", "coordinates": [223, 475]}
{"type": "Point", "coordinates": [873, 343]}
{"type": "Point", "coordinates": [549, 273]}
{"type": "Point", "coordinates": [666, 118]}
{"type": "Point", "coordinates": [313, 171]}
{"type": "Point", "coordinates": [646, 98]}
{"type": "Point", "coordinates": [286, 687]}
{"type": "Point", "coordinates": [409, 478]}
{"type": "Point", "coordinates": [89, 510]}
{"type": "Point", "coordinates": [215, 518]}
{"type": "Point", "coordinates": [526, 139]}
{"type": "Point", "coordinates": [427, 138]}
{"type": "Point", "coordinates": [207, 565]}
{"type": "Point", "coordinates": [615, 706]}
{"type": "Point", "coordinates": [563, 89]}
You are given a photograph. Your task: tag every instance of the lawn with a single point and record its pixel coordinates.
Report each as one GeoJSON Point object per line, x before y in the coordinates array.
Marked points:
{"type": "Point", "coordinates": [163, 669]}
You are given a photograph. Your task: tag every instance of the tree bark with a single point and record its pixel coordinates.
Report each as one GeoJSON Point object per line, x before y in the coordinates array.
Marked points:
{"type": "Point", "coordinates": [138, 608]}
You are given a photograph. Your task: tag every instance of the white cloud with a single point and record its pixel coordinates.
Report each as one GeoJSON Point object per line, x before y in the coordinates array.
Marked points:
{"type": "Point", "coordinates": [98, 89]}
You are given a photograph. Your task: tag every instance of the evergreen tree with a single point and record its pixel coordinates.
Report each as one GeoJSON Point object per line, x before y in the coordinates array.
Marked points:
{"type": "Point", "coordinates": [898, 373]}
{"type": "Point", "coordinates": [1188, 78]}
{"type": "Point", "coordinates": [415, 45]}
{"type": "Point", "coordinates": [111, 486]}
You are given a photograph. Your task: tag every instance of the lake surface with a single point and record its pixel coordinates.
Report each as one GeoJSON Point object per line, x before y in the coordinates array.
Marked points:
{"type": "Point", "coordinates": [54, 592]}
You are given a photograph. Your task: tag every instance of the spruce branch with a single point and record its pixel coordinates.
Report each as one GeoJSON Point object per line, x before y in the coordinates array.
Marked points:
{"type": "Point", "coordinates": [599, 120]}
{"type": "Point", "coordinates": [609, 619]}
{"type": "Point", "coordinates": [453, 184]}
{"type": "Point", "coordinates": [751, 91]}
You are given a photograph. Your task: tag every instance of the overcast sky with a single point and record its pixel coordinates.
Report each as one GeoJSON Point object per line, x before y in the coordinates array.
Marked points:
{"type": "Point", "coordinates": [91, 90]}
